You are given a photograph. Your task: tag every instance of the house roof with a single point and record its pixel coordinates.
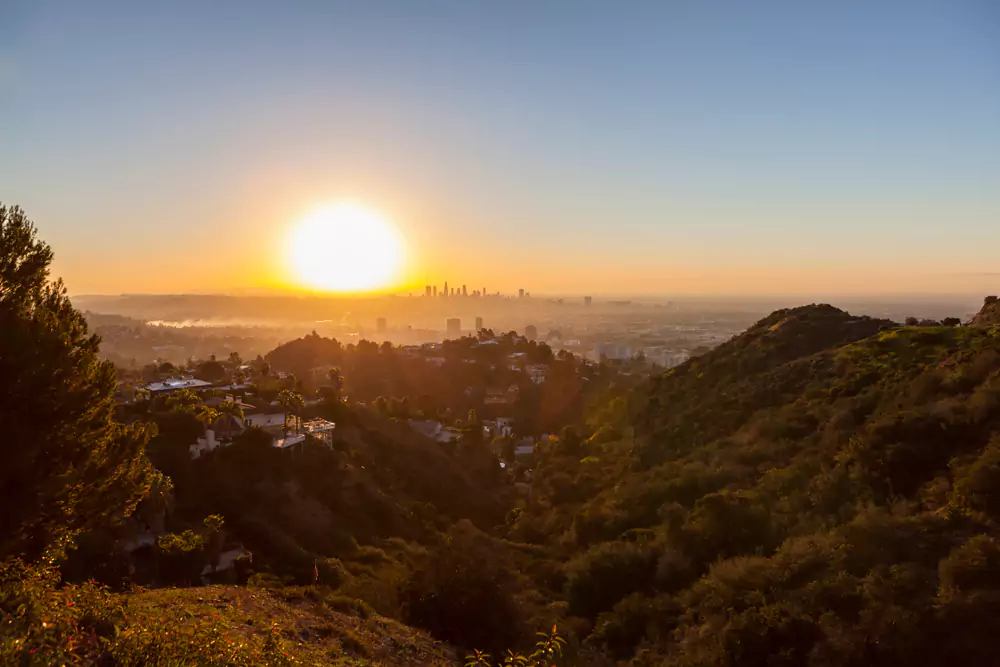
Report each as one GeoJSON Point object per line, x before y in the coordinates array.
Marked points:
{"type": "Point", "coordinates": [218, 400]}
{"type": "Point", "coordinates": [177, 383]}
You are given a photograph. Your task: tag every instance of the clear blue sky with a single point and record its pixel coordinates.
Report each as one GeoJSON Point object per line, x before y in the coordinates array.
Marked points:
{"type": "Point", "coordinates": [570, 146]}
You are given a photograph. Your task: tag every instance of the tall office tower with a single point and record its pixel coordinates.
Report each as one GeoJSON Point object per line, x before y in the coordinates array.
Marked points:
{"type": "Point", "coordinates": [464, 293]}
{"type": "Point", "coordinates": [587, 300]}
{"type": "Point", "coordinates": [520, 293]}
{"type": "Point", "coordinates": [435, 290]}
{"type": "Point", "coordinates": [446, 289]}
{"type": "Point", "coordinates": [479, 324]}
{"type": "Point", "coordinates": [454, 327]}
{"type": "Point", "coordinates": [427, 291]}
{"type": "Point", "coordinates": [380, 325]}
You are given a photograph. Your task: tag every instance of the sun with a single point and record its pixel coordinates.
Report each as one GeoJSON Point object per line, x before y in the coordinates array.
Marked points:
{"type": "Point", "coordinates": [345, 248]}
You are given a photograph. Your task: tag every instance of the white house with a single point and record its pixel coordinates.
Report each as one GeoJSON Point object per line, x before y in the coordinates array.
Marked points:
{"type": "Point", "coordinates": [205, 443]}
{"type": "Point", "coordinates": [265, 419]}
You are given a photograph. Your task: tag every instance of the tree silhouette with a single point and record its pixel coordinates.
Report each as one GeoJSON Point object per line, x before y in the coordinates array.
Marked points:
{"type": "Point", "coordinates": [293, 404]}
{"type": "Point", "coordinates": [67, 464]}
{"type": "Point", "coordinates": [230, 410]}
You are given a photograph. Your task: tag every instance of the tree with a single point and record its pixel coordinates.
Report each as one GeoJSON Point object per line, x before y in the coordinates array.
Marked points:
{"type": "Point", "coordinates": [212, 371]}
{"type": "Point", "coordinates": [335, 389]}
{"type": "Point", "coordinates": [67, 465]}
{"type": "Point", "coordinates": [230, 410]}
{"type": "Point", "coordinates": [293, 404]}
{"type": "Point", "coordinates": [205, 415]}
{"type": "Point", "coordinates": [183, 400]}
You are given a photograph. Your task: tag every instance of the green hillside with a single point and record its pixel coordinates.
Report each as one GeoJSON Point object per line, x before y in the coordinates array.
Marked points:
{"type": "Point", "coordinates": [820, 490]}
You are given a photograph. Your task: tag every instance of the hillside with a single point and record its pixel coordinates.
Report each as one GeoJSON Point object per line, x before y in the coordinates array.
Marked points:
{"type": "Point", "coordinates": [214, 625]}
{"type": "Point", "coordinates": [380, 480]}
{"type": "Point", "coordinates": [989, 314]}
{"type": "Point", "coordinates": [819, 490]}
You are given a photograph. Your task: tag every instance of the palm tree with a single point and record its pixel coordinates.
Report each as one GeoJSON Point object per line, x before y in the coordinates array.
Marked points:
{"type": "Point", "coordinates": [293, 403]}
{"type": "Point", "coordinates": [230, 410]}
{"type": "Point", "coordinates": [336, 388]}
{"type": "Point", "coordinates": [205, 415]}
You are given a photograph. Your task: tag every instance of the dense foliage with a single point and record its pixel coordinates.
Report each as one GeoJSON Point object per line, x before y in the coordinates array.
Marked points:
{"type": "Point", "coordinates": [446, 381]}
{"type": "Point", "coordinates": [820, 490]}
{"type": "Point", "coordinates": [67, 464]}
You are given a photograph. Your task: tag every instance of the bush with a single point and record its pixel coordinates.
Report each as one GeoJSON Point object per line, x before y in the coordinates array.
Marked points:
{"type": "Point", "coordinates": [464, 594]}
{"type": "Point", "coordinates": [605, 574]}
{"type": "Point", "coordinates": [349, 605]}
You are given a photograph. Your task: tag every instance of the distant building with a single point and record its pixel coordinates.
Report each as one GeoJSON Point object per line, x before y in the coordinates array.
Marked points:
{"type": "Point", "coordinates": [380, 325]}
{"type": "Point", "coordinates": [531, 332]}
{"type": "Point", "coordinates": [464, 291]}
{"type": "Point", "coordinates": [427, 291]}
{"type": "Point", "coordinates": [612, 351]}
{"type": "Point", "coordinates": [587, 301]}
{"type": "Point", "coordinates": [496, 397]}
{"type": "Point", "coordinates": [454, 326]}
{"type": "Point", "coordinates": [479, 324]}
{"type": "Point", "coordinates": [173, 384]}
{"type": "Point", "coordinates": [537, 372]}
{"type": "Point", "coordinates": [520, 293]}
{"type": "Point", "coordinates": [435, 290]}
{"type": "Point", "coordinates": [434, 430]}
{"type": "Point", "coordinates": [446, 289]}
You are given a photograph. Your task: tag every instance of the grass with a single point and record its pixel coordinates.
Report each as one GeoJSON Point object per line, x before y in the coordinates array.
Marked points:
{"type": "Point", "coordinates": [44, 624]}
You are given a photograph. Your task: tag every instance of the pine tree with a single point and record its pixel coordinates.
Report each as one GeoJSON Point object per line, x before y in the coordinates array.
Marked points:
{"type": "Point", "coordinates": [67, 465]}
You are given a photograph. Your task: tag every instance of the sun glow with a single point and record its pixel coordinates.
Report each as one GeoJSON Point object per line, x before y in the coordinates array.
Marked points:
{"type": "Point", "coordinates": [345, 248]}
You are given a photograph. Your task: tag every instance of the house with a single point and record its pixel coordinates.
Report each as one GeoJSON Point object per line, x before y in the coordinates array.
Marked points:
{"type": "Point", "coordinates": [434, 430]}
{"type": "Point", "coordinates": [235, 387]}
{"type": "Point", "coordinates": [204, 443]}
{"type": "Point", "coordinates": [496, 397]}
{"type": "Point", "coordinates": [502, 426]}
{"type": "Point", "coordinates": [537, 372]}
{"type": "Point", "coordinates": [524, 449]}
{"type": "Point", "coordinates": [318, 429]}
{"type": "Point", "coordinates": [175, 384]}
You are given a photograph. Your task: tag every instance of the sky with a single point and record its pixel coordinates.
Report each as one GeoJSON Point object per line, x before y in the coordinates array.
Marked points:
{"type": "Point", "coordinates": [647, 147]}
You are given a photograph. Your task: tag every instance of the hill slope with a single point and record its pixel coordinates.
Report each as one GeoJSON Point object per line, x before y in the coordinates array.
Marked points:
{"type": "Point", "coordinates": [820, 490]}
{"type": "Point", "coordinates": [214, 625]}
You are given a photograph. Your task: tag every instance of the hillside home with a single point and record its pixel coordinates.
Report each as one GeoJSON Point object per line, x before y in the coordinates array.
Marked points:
{"type": "Point", "coordinates": [175, 384]}
{"type": "Point", "coordinates": [537, 372]}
